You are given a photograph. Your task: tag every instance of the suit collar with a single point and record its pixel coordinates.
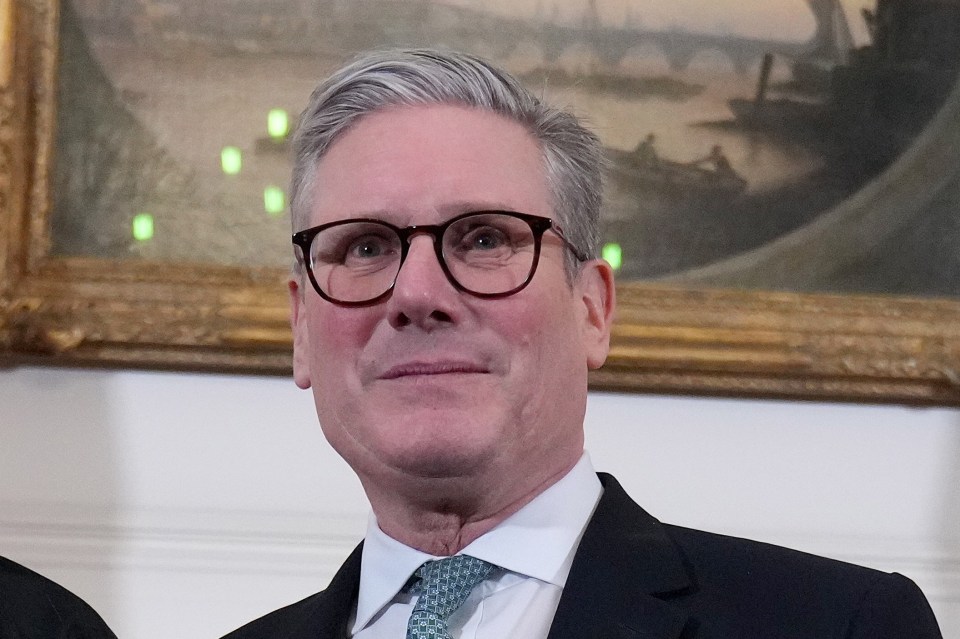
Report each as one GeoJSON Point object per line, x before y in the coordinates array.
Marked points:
{"type": "Point", "coordinates": [624, 568]}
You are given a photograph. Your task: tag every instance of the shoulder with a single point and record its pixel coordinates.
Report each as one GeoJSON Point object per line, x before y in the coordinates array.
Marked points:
{"type": "Point", "coordinates": [735, 560]}
{"type": "Point", "coordinates": [800, 590]}
{"type": "Point", "coordinates": [715, 554]}
{"type": "Point", "coordinates": [737, 587]}
{"type": "Point", "coordinates": [34, 607]}
{"type": "Point", "coordinates": [715, 560]}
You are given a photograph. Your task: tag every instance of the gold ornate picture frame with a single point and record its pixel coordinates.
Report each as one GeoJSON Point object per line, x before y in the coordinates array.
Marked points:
{"type": "Point", "coordinates": [669, 337]}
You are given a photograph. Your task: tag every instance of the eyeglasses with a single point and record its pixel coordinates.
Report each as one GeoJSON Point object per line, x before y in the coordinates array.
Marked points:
{"type": "Point", "coordinates": [484, 253]}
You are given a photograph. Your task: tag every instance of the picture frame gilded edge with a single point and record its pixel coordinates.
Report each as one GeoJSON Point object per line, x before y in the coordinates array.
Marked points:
{"type": "Point", "coordinates": [666, 339]}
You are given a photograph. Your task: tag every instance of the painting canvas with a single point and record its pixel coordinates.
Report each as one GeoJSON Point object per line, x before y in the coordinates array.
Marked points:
{"type": "Point", "coordinates": [740, 133]}
{"type": "Point", "coordinates": [782, 193]}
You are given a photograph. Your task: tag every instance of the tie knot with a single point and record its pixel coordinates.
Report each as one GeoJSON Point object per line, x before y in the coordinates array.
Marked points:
{"type": "Point", "coordinates": [446, 583]}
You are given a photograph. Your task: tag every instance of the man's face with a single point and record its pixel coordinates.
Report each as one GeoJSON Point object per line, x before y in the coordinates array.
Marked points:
{"type": "Point", "coordinates": [433, 382]}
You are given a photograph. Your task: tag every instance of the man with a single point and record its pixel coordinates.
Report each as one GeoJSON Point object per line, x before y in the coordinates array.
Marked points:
{"type": "Point", "coordinates": [446, 308]}
{"type": "Point", "coordinates": [33, 607]}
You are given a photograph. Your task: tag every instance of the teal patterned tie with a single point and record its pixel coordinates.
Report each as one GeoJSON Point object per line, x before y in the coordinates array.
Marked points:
{"type": "Point", "coordinates": [443, 587]}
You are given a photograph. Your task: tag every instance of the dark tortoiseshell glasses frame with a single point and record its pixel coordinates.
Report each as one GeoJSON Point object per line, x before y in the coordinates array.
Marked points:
{"type": "Point", "coordinates": [538, 226]}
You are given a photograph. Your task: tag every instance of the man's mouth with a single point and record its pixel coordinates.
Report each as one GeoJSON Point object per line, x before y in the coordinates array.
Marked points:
{"type": "Point", "coordinates": [413, 369]}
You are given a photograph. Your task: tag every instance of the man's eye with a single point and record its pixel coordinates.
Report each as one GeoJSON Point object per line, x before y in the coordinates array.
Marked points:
{"type": "Point", "coordinates": [485, 238]}
{"type": "Point", "coordinates": [366, 248]}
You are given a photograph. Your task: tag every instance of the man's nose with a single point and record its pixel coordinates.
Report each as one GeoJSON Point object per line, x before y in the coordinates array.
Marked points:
{"type": "Point", "coordinates": [421, 255]}
{"type": "Point", "coordinates": [422, 263]}
{"type": "Point", "coordinates": [422, 294]}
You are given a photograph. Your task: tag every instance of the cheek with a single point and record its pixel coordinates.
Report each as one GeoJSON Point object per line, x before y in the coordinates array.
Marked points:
{"type": "Point", "coordinates": [542, 340]}
{"type": "Point", "coordinates": [338, 336]}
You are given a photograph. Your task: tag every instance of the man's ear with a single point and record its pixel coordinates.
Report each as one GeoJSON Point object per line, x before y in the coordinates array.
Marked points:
{"type": "Point", "coordinates": [598, 294]}
{"type": "Point", "coordinates": [301, 337]}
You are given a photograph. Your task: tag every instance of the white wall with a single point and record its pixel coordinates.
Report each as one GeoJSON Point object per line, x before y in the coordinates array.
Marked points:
{"type": "Point", "coordinates": [184, 505]}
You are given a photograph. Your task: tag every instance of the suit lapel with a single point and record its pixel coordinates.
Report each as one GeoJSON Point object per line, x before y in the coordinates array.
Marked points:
{"type": "Point", "coordinates": [326, 614]}
{"type": "Point", "coordinates": [623, 568]}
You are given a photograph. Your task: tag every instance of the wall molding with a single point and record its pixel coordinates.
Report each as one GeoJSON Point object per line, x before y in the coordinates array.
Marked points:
{"type": "Point", "coordinates": [183, 540]}
{"type": "Point", "coordinates": [314, 544]}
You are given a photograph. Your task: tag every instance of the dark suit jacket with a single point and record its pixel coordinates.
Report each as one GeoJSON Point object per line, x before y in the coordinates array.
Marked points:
{"type": "Point", "coordinates": [33, 607]}
{"type": "Point", "coordinates": [635, 578]}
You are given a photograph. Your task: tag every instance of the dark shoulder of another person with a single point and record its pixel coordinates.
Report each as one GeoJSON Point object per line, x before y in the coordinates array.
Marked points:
{"type": "Point", "coordinates": [34, 607]}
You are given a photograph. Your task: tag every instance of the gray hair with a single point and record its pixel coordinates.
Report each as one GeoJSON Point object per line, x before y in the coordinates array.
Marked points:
{"type": "Point", "coordinates": [573, 157]}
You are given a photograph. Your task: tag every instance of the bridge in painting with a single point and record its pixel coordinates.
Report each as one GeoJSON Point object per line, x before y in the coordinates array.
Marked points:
{"type": "Point", "coordinates": [347, 25]}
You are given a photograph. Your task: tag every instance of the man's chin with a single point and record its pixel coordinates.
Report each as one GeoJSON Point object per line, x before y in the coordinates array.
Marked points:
{"type": "Point", "coordinates": [438, 462]}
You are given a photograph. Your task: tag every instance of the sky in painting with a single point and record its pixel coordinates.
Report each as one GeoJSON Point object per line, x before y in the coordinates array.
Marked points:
{"type": "Point", "coordinates": [780, 19]}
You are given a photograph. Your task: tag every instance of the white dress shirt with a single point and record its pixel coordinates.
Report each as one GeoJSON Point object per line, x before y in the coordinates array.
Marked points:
{"type": "Point", "coordinates": [533, 549]}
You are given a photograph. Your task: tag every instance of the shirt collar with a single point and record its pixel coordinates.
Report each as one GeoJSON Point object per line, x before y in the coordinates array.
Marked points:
{"type": "Point", "coordinates": [538, 541]}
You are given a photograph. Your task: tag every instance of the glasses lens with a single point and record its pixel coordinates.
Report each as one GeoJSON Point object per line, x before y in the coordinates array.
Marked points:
{"type": "Point", "coordinates": [355, 261]}
{"type": "Point", "coordinates": [489, 253]}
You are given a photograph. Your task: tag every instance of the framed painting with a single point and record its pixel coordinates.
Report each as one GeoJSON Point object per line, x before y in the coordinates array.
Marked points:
{"type": "Point", "coordinates": [783, 196]}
